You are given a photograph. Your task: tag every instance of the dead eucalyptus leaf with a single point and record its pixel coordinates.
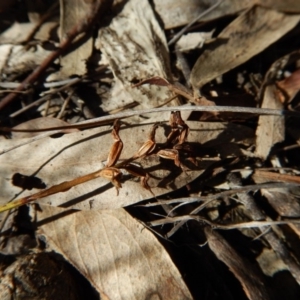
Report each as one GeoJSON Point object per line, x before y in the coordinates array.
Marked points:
{"type": "Point", "coordinates": [18, 32]}
{"type": "Point", "coordinates": [270, 130]}
{"type": "Point", "coordinates": [176, 13]}
{"type": "Point", "coordinates": [290, 6]}
{"type": "Point", "coordinates": [74, 62]}
{"type": "Point", "coordinates": [193, 40]}
{"type": "Point", "coordinates": [246, 36]}
{"type": "Point", "coordinates": [249, 275]}
{"type": "Point", "coordinates": [121, 258]}
{"type": "Point", "coordinates": [56, 160]}
{"type": "Point", "coordinates": [290, 87]}
{"type": "Point", "coordinates": [15, 58]}
{"type": "Point", "coordinates": [135, 47]}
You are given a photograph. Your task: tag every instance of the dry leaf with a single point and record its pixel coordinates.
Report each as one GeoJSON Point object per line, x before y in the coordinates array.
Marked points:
{"type": "Point", "coordinates": [135, 47]}
{"type": "Point", "coordinates": [286, 203]}
{"type": "Point", "coordinates": [290, 6]}
{"type": "Point", "coordinates": [121, 258]}
{"type": "Point", "coordinates": [271, 129]}
{"type": "Point", "coordinates": [73, 63]}
{"type": "Point", "coordinates": [249, 275]}
{"type": "Point", "coordinates": [39, 123]}
{"type": "Point", "coordinates": [246, 36]}
{"type": "Point", "coordinates": [193, 40]}
{"type": "Point", "coordinates": [16, 59]}
{"type": "Point", "coordinates": [55, 160]}
{"type": "Point", "coordinates": [290, 86]}
{"type": "Point", "coordinates": [18, 32]}
{"type": "Point", "coordinates": [176, 13]}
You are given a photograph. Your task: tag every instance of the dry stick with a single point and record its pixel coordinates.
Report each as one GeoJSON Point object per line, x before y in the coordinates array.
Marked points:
{"type": "Point", "coordinates": [82, 26]}
{"type": "Point", "coordinates": [108, 119]}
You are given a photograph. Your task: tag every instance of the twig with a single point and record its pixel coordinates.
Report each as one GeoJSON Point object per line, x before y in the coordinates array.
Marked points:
{"type": "Point", "coordinates": [82, 26]}
{"type": "Point", "coordinates": [108, 119]}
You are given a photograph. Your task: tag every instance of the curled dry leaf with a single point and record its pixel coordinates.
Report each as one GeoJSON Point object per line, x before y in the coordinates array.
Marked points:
{"type": "Point", "coordinates": [56, 160]}
{"type": "Point", "coordinates": [246, 36]}
{"type": "Point", "coordinates": [270, 130]}
{"type": "Point", "coordinates": [121, 258]}
{"type": "Point", "coordinates": [290, 87]}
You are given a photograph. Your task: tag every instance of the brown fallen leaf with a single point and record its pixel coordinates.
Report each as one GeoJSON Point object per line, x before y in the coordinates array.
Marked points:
{"type": "Point", "coordinates": [290, 86]}
{"type": "Point", "coordinates": [270, 130]}
{"type": "Point", "coordinates": [248, 274]}
{"type": "Point", "coordinates": [121, 258]}
{"type": "Point", "coordinates": [74, 62]}
{"type": "Point", "coordinates": [260, 176]}
{"type": "Point", "coordinates": [250, 33]}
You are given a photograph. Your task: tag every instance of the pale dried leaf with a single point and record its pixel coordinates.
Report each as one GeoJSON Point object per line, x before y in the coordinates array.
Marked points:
{"type": "Point", "coordinates": [15, 58]}
{"type": "Point", "coordinates": [73, 63]}
{"type": "Point", "coordinates": [176, 13]}
{"type": "Point", "coordinates": [193, 40]}
{"type": "Point", "coordinates": [270, 130]}
{"type": "Point", "coordinates": [135, 47]}
{"type": "Point", "coordinates": [18, 32]}
{"type": "Point", "coordinates": [37, 276]}
{"type": "Point", "coordinates": [80, 153]}
{"type": "Point", "coordinates": [246, 36]}
{"type": "Point", "coordinates": [270, 262]}
{"type": "Point", "coordinates": [290, 6]}
{"type": "Point", "coordinates": [121, 258]}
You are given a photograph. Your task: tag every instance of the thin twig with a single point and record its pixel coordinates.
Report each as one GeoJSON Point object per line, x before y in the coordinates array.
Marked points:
{"type": "Point", "coordinates": [108, 119]}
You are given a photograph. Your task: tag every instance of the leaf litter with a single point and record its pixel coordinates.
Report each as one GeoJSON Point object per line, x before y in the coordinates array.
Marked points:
{"type": "Point", "coordinates": [251, 58]}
